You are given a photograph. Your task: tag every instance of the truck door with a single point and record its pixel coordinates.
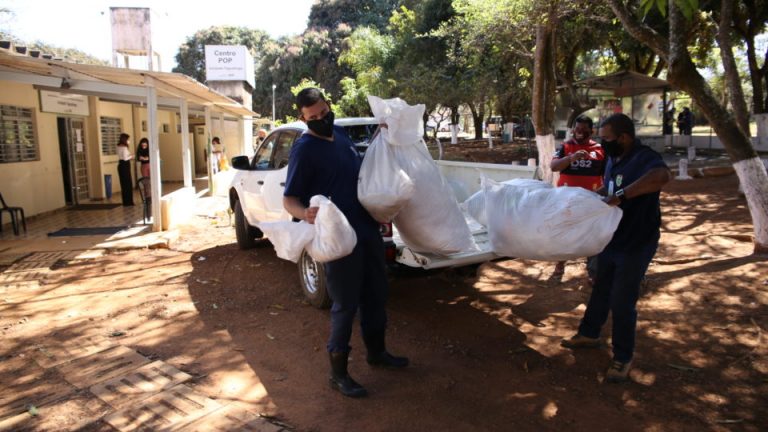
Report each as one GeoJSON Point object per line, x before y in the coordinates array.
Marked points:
{"type": "Point", "coordinates": [253, 180]}
{"type": "Point", "coordinates": [274, 181]}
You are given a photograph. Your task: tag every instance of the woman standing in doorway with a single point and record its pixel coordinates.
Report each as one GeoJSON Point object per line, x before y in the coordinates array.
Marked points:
{"type": "Point", "coordinates": [124, 169]}
{"type": "Point", "coordinates": [142, 156]}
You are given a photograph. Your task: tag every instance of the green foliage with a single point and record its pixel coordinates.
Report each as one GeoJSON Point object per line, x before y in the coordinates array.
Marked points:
{"type": "Point", "coordinates": [688, 7]}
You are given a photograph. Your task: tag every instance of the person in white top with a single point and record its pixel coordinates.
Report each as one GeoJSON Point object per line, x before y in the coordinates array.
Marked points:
{"type": "Point", "coordinates": [217, 154]}
{"type": "Point", "coordinates": [124, 156]}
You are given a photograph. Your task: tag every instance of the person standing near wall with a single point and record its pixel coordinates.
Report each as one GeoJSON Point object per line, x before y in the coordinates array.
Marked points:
{"type": "Point", "coordinates": [142, 157]}
{"type": "Point", "coordinates": [217, 152]}
{"type": "Point", "coordinates": [124, 157]}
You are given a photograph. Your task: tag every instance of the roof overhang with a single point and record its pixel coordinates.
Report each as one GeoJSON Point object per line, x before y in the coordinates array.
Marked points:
{"type": "Point", "coordinates": [625, 83]}
{"type": "Point", "coordinates": [117, 84]}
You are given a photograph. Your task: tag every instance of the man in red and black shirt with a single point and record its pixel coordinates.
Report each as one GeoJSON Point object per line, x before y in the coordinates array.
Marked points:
{"type": "Point", "coordinates": [581, 163]}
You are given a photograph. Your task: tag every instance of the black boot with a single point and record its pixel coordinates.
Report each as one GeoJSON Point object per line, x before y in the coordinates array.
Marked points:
{"type": "Point", "coordinates": [378, 355]}
{"type": "Point", "coordinates": [340, 379]}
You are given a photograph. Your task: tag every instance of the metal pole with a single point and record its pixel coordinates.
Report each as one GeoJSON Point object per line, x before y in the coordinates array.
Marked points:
{"type": "Point", "coordinates": [273, 102]}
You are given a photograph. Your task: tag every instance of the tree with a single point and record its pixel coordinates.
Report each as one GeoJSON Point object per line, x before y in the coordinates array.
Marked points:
{"type": "Point", "coordinates": [69, 54]}
{"type": "Point", "coordinates": [684, 75]}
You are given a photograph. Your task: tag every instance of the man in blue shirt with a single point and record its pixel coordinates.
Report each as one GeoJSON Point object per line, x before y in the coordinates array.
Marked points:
{"type": "Point", "coordinates": [324, 161]}
{"type": "Point", "coordinates": [634, 176]}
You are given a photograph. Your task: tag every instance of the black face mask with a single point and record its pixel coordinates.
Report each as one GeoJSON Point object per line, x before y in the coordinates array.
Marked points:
{"type": "Point", "coordinates": [323, 126]}
{"type": "Point", "coordinates": [612, 148]}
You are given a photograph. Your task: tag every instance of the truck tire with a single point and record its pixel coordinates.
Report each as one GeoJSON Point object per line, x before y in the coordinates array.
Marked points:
{"type": "Point", "coordinates": [246, 234]}
{"type": "Point", "coordinates": [312, 277]}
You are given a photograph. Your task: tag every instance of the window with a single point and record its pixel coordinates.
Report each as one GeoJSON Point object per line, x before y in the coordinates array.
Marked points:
{"type": "Point", "coordinates": [17, 135]}
{"type": "Point", "coordinates": [283, 150]}
{"type": "Point", "coordinates": [111, 128]}
{"type": "Point", "coordinates": [166, 128]}
{"type": "Point", "coordinates": [264, 154]}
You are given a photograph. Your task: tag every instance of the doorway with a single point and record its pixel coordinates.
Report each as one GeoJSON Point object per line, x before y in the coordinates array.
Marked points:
{"type": "Point", "coordinates": [73, 165]}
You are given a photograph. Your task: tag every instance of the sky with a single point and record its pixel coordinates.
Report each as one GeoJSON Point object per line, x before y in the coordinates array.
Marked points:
{"type": "Point", "coordinates": [84, 24]}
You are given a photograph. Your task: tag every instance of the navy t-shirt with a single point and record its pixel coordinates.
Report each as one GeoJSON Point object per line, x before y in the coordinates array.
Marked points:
{"type": "Point", "coordinates": [641, 220]}
{"type": "Point", "coordinates": [329, 168]}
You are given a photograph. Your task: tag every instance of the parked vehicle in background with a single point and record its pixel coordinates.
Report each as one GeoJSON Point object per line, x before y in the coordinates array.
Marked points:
{"type": "Point", "coordinates": [256, 195]}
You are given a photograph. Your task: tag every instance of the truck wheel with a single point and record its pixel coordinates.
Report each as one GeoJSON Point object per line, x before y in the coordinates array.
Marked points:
{"type": "Point", "coordinates": [312, 277]}
{"type": "Point", "coordinates": [246, 234]}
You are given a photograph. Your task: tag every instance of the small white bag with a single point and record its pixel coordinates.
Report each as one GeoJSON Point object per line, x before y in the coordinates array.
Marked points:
{"type": "Point", "coordinates": [288, 238]}
{"type": "Point", "coordinates": [334, 236]}
{"type": "Point", "coordinates": [383, 187]}
{"type": "Point", "coordinates": [331, 236]}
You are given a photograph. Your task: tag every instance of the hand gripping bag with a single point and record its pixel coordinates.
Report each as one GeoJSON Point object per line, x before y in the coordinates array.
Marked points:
{"type": "Point", "coordinates": [334, 236]}
{"type": "Point", "coordinates": [431, 220]}
{"type": "Point", "coordinates": [551, 224]}
{"type": "Point", "coordinates": [383, 187]}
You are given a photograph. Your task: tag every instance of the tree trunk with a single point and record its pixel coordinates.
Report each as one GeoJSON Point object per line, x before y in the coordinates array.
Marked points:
{"type": "Point", "coordinates": [477, 119]}
{"type": "Point", "coordinates": [732, 79]}
{"type": "Point", "coordinates": [684, 76]}
{"type": "Point", "coordinates": [544, 95]}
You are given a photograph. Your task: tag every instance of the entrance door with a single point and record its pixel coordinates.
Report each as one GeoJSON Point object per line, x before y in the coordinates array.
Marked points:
{"type": "Point", "coordinates": [73, 165]}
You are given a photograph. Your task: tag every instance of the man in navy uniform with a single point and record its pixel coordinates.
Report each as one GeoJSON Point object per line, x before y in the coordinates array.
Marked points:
{"type": "Point", "coordinates": [324, 161]}
{"type": "Point", "coordinates": [634, 176]}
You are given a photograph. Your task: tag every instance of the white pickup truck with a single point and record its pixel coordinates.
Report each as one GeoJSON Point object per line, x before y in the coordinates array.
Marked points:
{"type": "Point", "coordinates": [256, 195]}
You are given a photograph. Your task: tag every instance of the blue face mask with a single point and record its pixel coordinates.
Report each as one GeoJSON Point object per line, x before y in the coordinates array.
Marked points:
{"type": "Point", "coordinates": [323, 126]}
{"type": "Point", "coordinates": [612, 148]}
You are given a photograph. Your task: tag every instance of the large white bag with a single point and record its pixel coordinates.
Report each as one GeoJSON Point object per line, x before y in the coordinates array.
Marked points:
{"type": "Point", "coordinates": [475, 205]}
{"type": "Point", "coordinates": [551, 224]}
{"type": "Point", "coordinates": [334, 236]}
{"type": "Point", "coordinates": [383, 187]}
{"type": "Point", "coordinates": [331, 236]}
{"type": "Point", "coordinates": [431, 220]}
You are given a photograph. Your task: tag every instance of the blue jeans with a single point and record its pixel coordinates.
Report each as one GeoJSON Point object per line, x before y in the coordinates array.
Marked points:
{"type": "Point", "coordinates": [357, 281]}
{"type": "Point", "coordinates": [617, 288]}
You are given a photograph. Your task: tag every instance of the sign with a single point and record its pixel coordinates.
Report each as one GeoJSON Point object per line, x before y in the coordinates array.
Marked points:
{"type": "Point", "coordinates": [229, 63]}
{"type": "Point", "coordinates": [64, 103]}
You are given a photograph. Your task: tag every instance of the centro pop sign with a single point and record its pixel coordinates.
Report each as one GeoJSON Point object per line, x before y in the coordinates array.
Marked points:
{"type": "Point", "coordinates": [228, 63]}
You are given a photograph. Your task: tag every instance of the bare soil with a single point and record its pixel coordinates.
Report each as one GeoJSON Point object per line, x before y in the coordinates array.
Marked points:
{"type": "Point", "coordinates": [483, 342]}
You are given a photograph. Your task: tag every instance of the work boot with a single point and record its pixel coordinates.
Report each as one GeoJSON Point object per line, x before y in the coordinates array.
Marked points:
{"type": "Point", "coordinates": [579, 341]}
{"type": "Point", "coordinates": [618, 371]}
{"type": "Point", "coordinates": [340, 379]}
{"type": "Point", "coordinates": [378, 355]}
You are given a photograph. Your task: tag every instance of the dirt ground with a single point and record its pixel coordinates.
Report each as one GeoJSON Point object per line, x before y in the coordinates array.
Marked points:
{"type": "Point", "coordinates": [483, 342]}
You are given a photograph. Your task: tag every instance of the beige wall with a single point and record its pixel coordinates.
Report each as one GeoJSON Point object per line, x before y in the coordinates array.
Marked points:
{"type": "Point", "coordinates": [124, 112]}
{"type": "Point", "coordinates": [35, 186]}
{"type": "Point", "coordinates": [38, 187]}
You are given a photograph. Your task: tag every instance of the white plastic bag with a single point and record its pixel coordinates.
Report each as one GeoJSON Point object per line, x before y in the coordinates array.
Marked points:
{"type": "Point", "coordinates": [431, 220]}
{"type": "Point", "coordinates": [288, 238]}
{"type": "Point", "coordinates": [331, 236]}
{"type": "Point", "coordinates": [475, 205]}
{"type": "Point", "coordinates": [334, 236]}
{"type": "Point", "coordinates": [383, 187]}
{"type": "Point", "coordinates": [552, 224]}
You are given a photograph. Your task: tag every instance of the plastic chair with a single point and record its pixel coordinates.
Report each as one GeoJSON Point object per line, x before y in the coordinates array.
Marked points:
{"type": "Point", "coordinates": [15, 213]}
{"type": "Point", "coordinates": [145, 192]}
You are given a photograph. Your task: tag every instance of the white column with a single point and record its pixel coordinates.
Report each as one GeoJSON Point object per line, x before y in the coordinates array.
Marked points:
{"type": "Point", "coordinates": [246, 126]}
{"type": "Point", "coordinates": [154, 156]}
{"type": "Point", "coordinates": [186, 154]}
{"type": "Point", "coordinates": [208, 147]}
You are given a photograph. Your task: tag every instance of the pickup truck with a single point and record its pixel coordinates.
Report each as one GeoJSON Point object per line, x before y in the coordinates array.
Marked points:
{"type": "Point", "coordinates": [256, 195]}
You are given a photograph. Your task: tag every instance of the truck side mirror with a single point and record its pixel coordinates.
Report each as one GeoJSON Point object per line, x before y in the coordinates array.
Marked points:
{"type": "Point", "coordinates": [241, 163]}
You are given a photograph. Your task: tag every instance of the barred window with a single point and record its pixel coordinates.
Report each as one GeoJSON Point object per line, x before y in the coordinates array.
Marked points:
{"type": "Point", "coordinates": [111, 128]}
{"type": "Point", "coordinates": [17, 135]}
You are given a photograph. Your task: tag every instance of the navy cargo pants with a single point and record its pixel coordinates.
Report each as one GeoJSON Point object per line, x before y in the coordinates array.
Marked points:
{"type": "Point", "coordinates": [358, 281]}
{"type": "Point", "coordinates": [616, 290]}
